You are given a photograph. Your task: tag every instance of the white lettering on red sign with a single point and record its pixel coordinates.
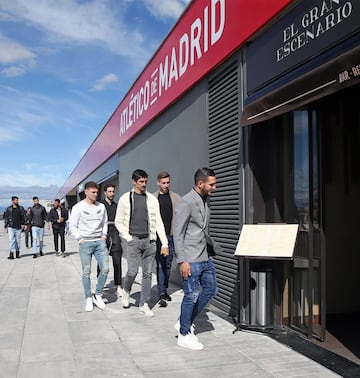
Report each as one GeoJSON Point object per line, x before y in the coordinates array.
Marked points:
{"type": "Point", "coordinates": [190, 49]}
{"type": "Point", "coordinates": [139, 102]}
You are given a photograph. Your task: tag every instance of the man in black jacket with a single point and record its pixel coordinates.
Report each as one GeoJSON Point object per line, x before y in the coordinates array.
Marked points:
{"type": "Point", "coordinates": [28, 234]}
{"type": "Point", "coordinates": [38, 218]}
{"type": "Point", "coordinates": [58, 216]}
{"type": "Point", "coordinates": [14, 221]}
{"type": "Point", "coordinates": [113, 241]}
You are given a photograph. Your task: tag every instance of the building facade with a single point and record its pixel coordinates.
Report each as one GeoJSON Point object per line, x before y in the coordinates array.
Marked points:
{"type": "Point", "coordinates": [266, 94]}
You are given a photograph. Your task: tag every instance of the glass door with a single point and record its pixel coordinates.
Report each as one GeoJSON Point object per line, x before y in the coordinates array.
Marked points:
{"type": "Point", "coordinates": [306, 309]}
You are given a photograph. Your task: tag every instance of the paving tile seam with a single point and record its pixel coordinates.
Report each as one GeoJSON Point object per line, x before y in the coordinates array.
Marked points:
{"type": "Point", "coordinates": [125, 346]}
{"type": "Point", "coordinates": [24, 324]}
{"type": "Point", "coordinates": [312, 365]}
{"type": "Point", "coordinates": [67, 326]}
{"type": "Point", "coordinates": [8, 275]}
{"type": "Point", "coordinates": [304, 360]}
{"type": "Point", "coordinates": [76, 266]}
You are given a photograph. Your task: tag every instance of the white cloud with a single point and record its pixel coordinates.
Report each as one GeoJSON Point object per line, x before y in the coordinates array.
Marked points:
{"type": "Point", "coordinates": [166, 8]}
{"type": "Point", "coordinates": [25, 193]}
{"type": "Point", "coordinates": [5, 16]}
{"type": "Point", "coordinates": [9, 134]}
{"type": "Point", "coordinates": [11, 52]}
{"type": "Point", "coordinates": [36, 114]}
{"type": "Point", "coordinates": [16, 58]}
{"type": "Point", "coordinates": [94, 22]}
{"type": "Point", "coordinates": [104, 82]}
{"type": "Point", "coordinates": [10, 128]}
{"type": "Point", "coordinates": [30, 113]}
{"type": "Point", "coordinates": [28, 177]}
{"type": "Point", "coordinates": [13, 71]}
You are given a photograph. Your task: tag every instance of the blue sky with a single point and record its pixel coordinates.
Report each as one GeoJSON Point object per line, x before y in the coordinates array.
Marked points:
{"type": "Point", "coordinates": [65, 65]}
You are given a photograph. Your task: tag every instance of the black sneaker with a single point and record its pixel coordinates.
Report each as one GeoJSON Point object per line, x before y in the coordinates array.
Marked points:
{"type": "Point", "coordinates": [34, 256]}
{"type": "Point", "coordinates": [162, 303]}
{"type": "Point", "coordinates": [17, 254]}
{"type": "Point", "coordinates": [41, 253]}
{"type": "Point", "coordinates": [11, 256]}
{"type": "Point", "coordinates": [166, 297]}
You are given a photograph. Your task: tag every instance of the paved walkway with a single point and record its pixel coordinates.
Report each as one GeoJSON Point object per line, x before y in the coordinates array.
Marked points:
{"type": "Point", "coordinates": [44, 331]}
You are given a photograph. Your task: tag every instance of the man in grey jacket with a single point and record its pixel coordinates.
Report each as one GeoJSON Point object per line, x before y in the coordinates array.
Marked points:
{"type": "Point", "coordinates": [194, 250]}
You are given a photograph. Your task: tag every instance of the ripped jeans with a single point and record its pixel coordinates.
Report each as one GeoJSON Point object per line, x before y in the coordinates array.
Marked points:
{"type": "Point", "coordinates": [195, 299]}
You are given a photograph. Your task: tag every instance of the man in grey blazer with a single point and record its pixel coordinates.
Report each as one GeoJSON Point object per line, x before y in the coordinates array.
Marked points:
{"type": "Point", "coordinates": [194, 250]}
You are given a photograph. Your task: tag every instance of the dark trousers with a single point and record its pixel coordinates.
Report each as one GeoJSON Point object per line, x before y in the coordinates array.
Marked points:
{"type": "Point", "coordinates": [59, 232]}
{"type": "Point", "coordinates": [28, 234]}
{"type": "Point", "coordinates": [163, 265]}
{"type": "Point", "coordinates": [116, 259]}
{"type": "Point", "coordinates": [113, 244]}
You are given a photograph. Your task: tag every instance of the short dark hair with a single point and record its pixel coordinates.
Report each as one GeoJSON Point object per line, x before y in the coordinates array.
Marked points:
{"type": "Point", "coordinates": [139, 173]}
{"type": "Point", "coordinates": [91, 184]}
{"type": "Point", "coordinates": [13, 198]}
{"type": "Point", "coordinates": [202, 174]}
{"type": "Point", "coordinates": [57, 200]}
{"type": "Point", "coordinates": [163, 174]}
{"type": "Point", "coordinates": [108, 186]}
{"type": "Point", "coordinates": [35, 197]}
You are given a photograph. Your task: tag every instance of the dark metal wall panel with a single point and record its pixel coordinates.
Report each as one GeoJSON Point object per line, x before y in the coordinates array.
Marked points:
{"type": "Point", "coordinates": [175, 142]}
{"type": "Point", "coordinates": [224, 150]}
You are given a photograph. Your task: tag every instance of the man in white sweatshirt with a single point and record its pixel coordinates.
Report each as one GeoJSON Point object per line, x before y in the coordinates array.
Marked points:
{"type": "Point", "coordinates": [88, 224]}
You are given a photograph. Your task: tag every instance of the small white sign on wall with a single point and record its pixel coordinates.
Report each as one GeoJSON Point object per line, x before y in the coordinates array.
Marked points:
{"type": "Point", "coordinates": [267, 241]}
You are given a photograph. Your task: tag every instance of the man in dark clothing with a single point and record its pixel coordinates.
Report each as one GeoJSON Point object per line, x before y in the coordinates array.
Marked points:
{"type": "Point", "coordinates": [167, 200]}
{"type": "Point", "coordinates": [113, 241]}
{"type": "Point", "coordinates": [58, 216]}
{"type": "Point", "coordinates": [14, 221]}
{"type": "Point", "coordinates": [28, 233]}
{"type": "Point", "coordinates": [38, 216]}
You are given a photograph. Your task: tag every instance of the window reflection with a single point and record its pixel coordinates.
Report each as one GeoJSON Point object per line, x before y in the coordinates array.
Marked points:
{"type": "Point", "coordinates": [301, 168]}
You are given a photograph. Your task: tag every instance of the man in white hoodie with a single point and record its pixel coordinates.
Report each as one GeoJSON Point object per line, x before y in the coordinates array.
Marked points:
{"type": "Point", "coordinates": [88, 224]}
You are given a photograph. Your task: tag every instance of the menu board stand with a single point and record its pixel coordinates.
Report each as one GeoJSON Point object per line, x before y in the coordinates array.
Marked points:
{"type": "Point", "coordinates": [262, 242]}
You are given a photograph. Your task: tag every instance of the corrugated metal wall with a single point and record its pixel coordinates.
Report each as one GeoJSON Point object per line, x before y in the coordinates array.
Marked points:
{"type": "Point", "coordinates": [224, 158]}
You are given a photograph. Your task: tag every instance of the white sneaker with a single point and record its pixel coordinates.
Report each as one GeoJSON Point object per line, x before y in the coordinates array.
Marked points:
{"type": "Point", "coordinates": [189, 342]}
{"type": "Point", "coordinates": [89, 305]}
{"type": "Point", "coordinates": [145, 309]}
{"type": "Point", "coordinates": [192, 328]}
{"type": "Point", "coordinates": [125, 300]}
{"type": "Point", "coordinates": [119, 291]}
{"type": "Point", "coordinates": [98, 301]}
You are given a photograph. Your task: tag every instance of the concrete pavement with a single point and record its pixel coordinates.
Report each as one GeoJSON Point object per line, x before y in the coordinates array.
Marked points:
{"type": "Point", "coordinates": [45, 332]}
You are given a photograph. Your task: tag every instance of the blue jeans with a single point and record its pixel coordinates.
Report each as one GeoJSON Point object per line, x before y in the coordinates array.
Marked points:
{"type": "Point", "coordinates": [101, 254]}
{"type": "Point", "coordinates": [38, 238]}
{"type": "Point", "coordinates": [163, 265]}
{"type": "Point", "coordinates": [204, 274]}
{"type": "Point", "coordinates": [140, 251]}
{"type": "Point", "coordinates": [14, 239]}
